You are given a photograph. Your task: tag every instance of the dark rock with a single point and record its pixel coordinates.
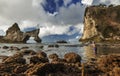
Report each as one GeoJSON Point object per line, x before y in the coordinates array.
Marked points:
{"type": "Point", "coordinates": [28, 52]}
{"type": "Point", "coordinates": [25, 47]}
{"type": "Point", "coordinates": [50, 46]}
{"type": "Point", "coordinates": [57, 46]}
{"type": "Point", "coordinates": [5, 47]}
{"type": "Point", "coordinates": [20, 69]}
{"type": "Point", "coordinates": [40, 57]}
{"type": "Point", "coordinates": [58, 60]}
{"type": "Point", "coordinates": [61, 41]}
{"type": "Point", "coordinates": [72, 57]}
{"type": "Point", "coordinates": [37, 59]}
{"type": "Point", "coordinates": [14, 48]}
{"type": "Point", "coordinates": [41, 47]}
{"type": "Point", "coordinates": [45, 69]}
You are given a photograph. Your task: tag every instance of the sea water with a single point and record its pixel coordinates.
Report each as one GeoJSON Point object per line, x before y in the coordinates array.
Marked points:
{"type": "Point", "coordinates": [85, 51]}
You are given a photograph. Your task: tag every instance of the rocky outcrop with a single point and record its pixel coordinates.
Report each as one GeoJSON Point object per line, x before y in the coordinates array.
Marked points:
{"type": "Point", "coordinates": [15, 35]}
{"type": "Point", "coordinates": [101, 23]}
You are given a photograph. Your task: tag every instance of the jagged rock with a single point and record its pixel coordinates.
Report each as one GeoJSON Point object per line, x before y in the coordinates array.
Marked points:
{"type": "Point", "coordinates": [15, 35]}
{"type": "Point", "coordinates": [72, 57]}
{"type": "Point", "coordinates": [101, 24]}
{"type": "Point", "coordinates": [107, 63]}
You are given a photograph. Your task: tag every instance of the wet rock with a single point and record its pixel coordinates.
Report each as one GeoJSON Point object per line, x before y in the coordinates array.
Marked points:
{"type": "Point", "coordinates": [50, 46]}
{"type": "Point", "coordinates": [5, 47]}
{"type": "Point", "coordinates": [40, 57]}
{"type": "Point", "coordinates": [41, 54]}
{"type": "Point", "coordinates": [15, 59]}
{"type": "Point", "coordinates": [53, 56]}
{"type": "Point", "coordinates": [58, 60]}
{"type": "Point", "coordinates": [72, 57]}
{"type": "Point", "coordinates": [57, 46]}
{"type": "Point", "coordinates": [20, 69]}
{"type": "Point", "coordinates": [25, 47]}
{"type": "Point", "coordinates": [41, 47]}
{"type": "Point", "coordinates": [14, 48]}
{"type": "Point", "coordinates": [116, 71]}
{"type": "Point", "coordinates": [28, 52]}
{"type": "Point", "coordinates": [108, 62]}
{"type": "Point", "coordinates": [45, 69]}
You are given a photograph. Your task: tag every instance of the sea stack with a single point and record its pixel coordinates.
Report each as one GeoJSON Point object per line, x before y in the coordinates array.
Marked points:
{"type": "Point", "coordinates": [15, 35]}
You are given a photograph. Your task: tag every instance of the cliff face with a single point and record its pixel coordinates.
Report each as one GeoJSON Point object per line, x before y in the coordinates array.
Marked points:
{"type": "Point", "coordinates": [102, 23]}
{"type": "Point", "coordinates": [15, 35]}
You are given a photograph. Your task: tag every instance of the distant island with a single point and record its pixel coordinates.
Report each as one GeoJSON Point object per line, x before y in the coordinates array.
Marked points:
{"type": "Point", "coordinates": [61, 41]}
{"type": "Point", "coordinates": [102, 23]}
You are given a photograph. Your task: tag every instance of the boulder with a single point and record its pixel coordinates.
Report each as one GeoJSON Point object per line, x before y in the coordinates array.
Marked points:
{"type": "Point", "coordinates": [53, 56]}
{"type": "Point", "coordinates": [72, 57]}
{"type": "Point", "coordinates": [5, 47]}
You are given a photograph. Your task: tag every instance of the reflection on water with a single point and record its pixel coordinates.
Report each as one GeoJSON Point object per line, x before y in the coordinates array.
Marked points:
{"type": "Point", "coordinates": [89, 51]}
{"type": "Point", "coordinates": [102, 49]}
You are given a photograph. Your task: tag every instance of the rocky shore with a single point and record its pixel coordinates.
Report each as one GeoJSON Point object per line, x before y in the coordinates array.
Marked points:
{"type": "Point", "coordinates": [30, 63]}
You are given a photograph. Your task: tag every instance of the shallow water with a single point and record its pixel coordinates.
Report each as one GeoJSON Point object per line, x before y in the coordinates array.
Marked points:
{"type": "Point", "coordinates": [85, 52]}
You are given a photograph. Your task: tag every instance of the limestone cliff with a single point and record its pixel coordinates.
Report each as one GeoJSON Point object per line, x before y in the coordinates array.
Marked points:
{"type": "Point", "coordinates": [102, 23]}
{"type": "Point", "coordinates": [15, 35]}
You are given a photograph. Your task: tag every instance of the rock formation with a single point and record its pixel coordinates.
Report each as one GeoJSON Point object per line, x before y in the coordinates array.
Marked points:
{"type": "Point", "coordinates": [15, 35]}
{"type": "Point", "coordinates": [102, 23]}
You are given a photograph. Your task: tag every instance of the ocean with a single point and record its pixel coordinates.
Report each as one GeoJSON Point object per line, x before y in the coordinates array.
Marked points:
{"type": "Point", "coordinates": [85, 51]}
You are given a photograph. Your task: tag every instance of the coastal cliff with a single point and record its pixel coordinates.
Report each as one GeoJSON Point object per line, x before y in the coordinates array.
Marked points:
{"type": "Point", "coordinates": [15, 35]}
{"type": "Point", "coordinates": [101, 23]}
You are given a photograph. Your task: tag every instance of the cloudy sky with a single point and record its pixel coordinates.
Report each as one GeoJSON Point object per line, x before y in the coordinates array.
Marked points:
{"type": "Point", "coordinates": [53, 16]}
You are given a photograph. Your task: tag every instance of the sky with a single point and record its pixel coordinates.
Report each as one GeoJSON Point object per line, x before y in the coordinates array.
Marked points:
{"type": "Point", "coordinates": [55, 17]}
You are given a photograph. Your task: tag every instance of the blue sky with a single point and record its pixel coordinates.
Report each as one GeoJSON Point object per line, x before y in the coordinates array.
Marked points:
{"type": "Point", "coordinates": [56, 18]}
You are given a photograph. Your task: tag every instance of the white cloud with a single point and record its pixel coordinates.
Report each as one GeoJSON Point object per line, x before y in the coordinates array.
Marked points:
{"type": "Point", "coordinates": [67, 1]}
{"type": "Point", "coordinates": [29, 13]}
{"type": "Point", "coordinates": [47, 30]}
{"type": "Point", "coordinates": [107, 2]}
{"type": "Point", "coordinates": [87, 2]}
